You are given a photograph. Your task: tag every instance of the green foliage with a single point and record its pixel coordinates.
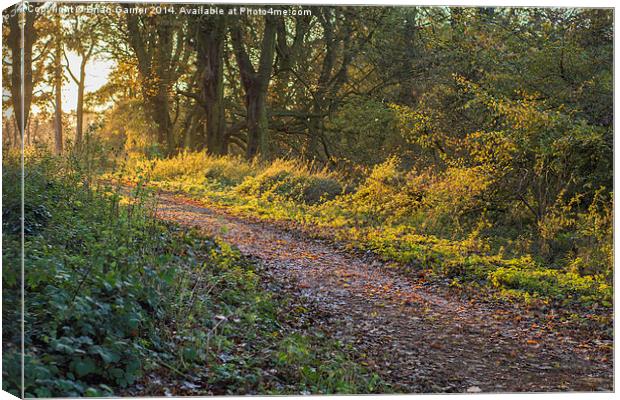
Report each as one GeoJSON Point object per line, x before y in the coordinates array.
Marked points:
{"type": "Point", "coordinates": [318, 372]}
{"type": "Point", "coordinates": [557, 285]}
{"type": "Point", "coordinates": [363, 131]}
{"type": "Point", "coordinates": [473, 145]}
{"type": "Point", "coordinates": [587, 235]}
{"type": "Point", "coordinates": [112, 293]}
{"type": "Point", "coordinates": [383, 193]}
{"type": "Point", "coordinates": [466, 261]}
{"type": "Point", "coordinates": [438, 203]}
{"type": "Point", "coordinates": [36, 215]}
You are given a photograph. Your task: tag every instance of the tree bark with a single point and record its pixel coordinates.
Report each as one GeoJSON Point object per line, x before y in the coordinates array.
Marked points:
{"type": "Point", "coordinates": [80, 105]}
{"type": "Point", "coordinates": [14, 41]}
{"type": "Point", "coordinates": [163, 67]}
{"type": "Point", "coordinates": [58, 87]}
{"type": "Point", "coordinates": [81, 83]}
{"type": "Point", "coordinates": [79, 111]}
{"type": "Point", "coordinates": [35, 133]}
{"type": "Point", "coordinates": [82, 39]}
{"type": "Point", "coordinates": [211, 39]}
{"type": "Point", "coordinates": [256, 106]}
{"type": "Point", "coordinates": [256, 84]}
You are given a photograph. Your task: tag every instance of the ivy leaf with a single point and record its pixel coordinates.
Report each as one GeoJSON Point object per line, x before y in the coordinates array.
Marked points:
{"type": "Point", "coordinates": [93, 392]}
{"type": "Point", "coordinates": [107, 355]}
{"type": "Point", "coordinates": [84, 366]}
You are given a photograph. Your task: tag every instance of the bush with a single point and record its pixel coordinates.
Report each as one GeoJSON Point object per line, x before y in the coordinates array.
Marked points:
{"type": "Point", "coordinates": [82, 300]}
{"type": "Point", "coordinates": [435, 203]}
{"type": "Point", "coordinates": [292, 181]}
{"type": "Point", "coordinates": [383, 194]}
{"type": "Point", "coordinates": [468, 260]}
{"type": "Point", "coordinates": [594, 238]}
{"type": "Point", "coordinates": [36, 213]}
{"type": "Point", "coordinates": [227, 170]}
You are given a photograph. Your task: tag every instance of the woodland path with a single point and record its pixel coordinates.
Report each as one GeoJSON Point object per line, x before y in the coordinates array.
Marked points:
{"type": "Point", "coordinates": [422, 338]}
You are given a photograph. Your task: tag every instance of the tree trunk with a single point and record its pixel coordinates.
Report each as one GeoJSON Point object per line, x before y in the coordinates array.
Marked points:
{"type": "Point", "coordinates": [58, 88]}
{"type": "Point", "coordinates": [257, 122]}
{"type": "Point", "coordinates": [161, 115]}
{"type": "Point", "coordinates": [163, 55]}
{"type": "Point", "coordinates": [192, 128]}
{"type": "Point", "coordinates": [16, 133]}
{"type": "Point", "coordinates": [311, 150]}
{"type": "Point", "coordinates": [28, 134]}
{"type": "Point", "coordinates": [154, 64]}
{"type": "Point", "coordinates": [256, 84]}
{"type": "Point", "coordinates": [14, 41]}
{"type": "Point", "coordinates": [8, 132]}
{"type": "Point", "coordinates": [216, 141]}
{"type": "Point", "coordinates": [35, 133]}
{"type": "Point", "coordinates": [258, 126]}
{"type": "Point", "coordinates": [211, 39]}
{"type": "Point", "coordinates": [80, 105]}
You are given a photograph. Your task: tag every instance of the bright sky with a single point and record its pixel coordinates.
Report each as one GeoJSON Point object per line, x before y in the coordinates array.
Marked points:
{"type": "Point", "coordinates": [97, 72]}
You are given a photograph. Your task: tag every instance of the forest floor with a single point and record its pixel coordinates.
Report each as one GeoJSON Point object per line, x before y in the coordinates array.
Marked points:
{"type": "Point", "coordinates": [421, 337]}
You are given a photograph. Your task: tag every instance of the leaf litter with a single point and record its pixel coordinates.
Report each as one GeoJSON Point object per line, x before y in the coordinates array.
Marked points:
{"type": "Point", "coordinates": [421, 337]}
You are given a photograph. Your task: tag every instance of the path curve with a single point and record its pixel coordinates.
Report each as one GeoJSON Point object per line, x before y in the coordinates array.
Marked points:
{"type": "Point", "coordinates": [414, 337]}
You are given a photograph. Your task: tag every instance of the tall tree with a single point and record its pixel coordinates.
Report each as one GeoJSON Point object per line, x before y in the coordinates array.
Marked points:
{"type": "Point", "coordinates": [315, 69]}
{"type": "Point", "coordinates": [16, 18]}
{"type": "Point", "coordinates": [82, 37]}
{"type": "Point", "coordinates": [161, 51]}
{"type": "Point", "coordinates": [210, 41]}
{"type": "Point", "coordinates": [58, 78]}
{"type": "Point", "coordinates": [256, 83]}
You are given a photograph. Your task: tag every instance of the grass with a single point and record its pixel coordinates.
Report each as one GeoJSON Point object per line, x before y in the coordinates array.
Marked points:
{"type": "Point", "coordinates": [116, 297]}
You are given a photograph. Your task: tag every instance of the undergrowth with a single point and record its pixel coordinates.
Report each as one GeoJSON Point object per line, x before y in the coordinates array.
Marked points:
{"type": "Point", "coordinates": [115, 297]}
{"type": "Point", "coordinates": [422, 220]}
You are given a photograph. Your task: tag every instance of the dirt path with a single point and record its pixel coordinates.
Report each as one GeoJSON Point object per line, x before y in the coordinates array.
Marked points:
{"type": "Point", "coordinates": [415, 336]}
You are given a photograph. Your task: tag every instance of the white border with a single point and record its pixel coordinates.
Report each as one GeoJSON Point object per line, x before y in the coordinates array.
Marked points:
{"type": "Point", "coordinates": [529, 3]}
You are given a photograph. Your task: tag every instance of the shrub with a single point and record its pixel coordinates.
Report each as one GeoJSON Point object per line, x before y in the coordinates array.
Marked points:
{"type": "Point", "coordinates": [434, 202]}
{"type": "Point", "coordinates": [83, 301]}
{"type": "Point", "coordinates": [449, 222]}
{"type": "Point", "coordinates": [468, 260]}
{"type": "Point", "coordinates": [227, 170]}
{"type": "Point", "coordinates": [454, 201]}
{"type": "Point", "coordinates": [383, 194]}
{"type": "Point", "coordinates": [579, 239]}
{"type": "Point", "coordinates": [289, 180]}
{"type": "Point", "coordinates": [36, 213]}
